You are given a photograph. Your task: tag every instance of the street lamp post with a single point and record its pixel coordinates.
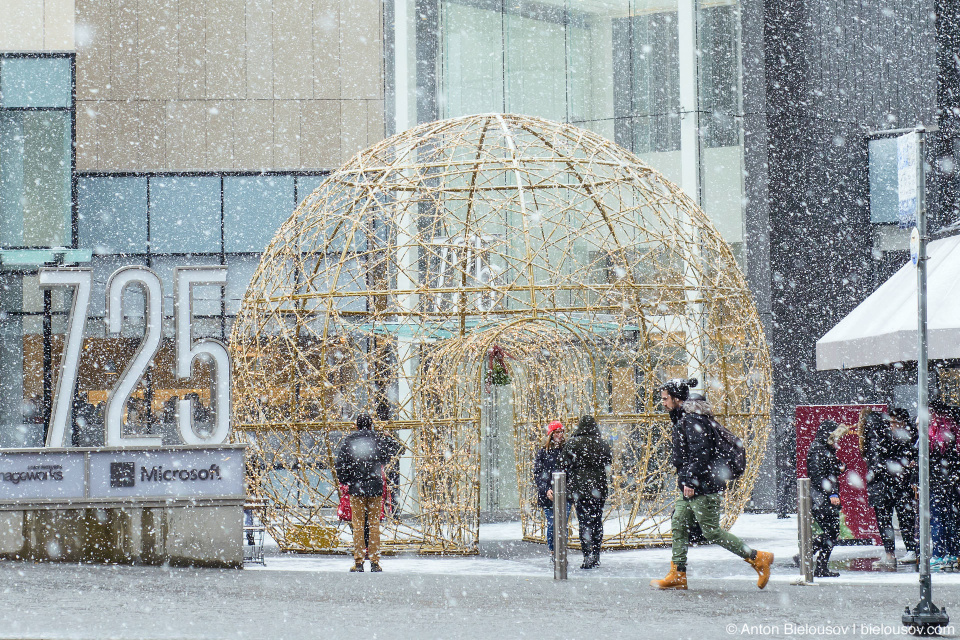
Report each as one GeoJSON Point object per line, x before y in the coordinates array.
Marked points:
{"type": "Point", "coordinates": [925, 615]}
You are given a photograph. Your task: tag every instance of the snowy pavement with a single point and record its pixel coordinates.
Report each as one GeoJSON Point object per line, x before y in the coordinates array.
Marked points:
{"type": "Point", "coordinates": [502, 553]}
{"type": "Point", "coordinates": [506, 592]}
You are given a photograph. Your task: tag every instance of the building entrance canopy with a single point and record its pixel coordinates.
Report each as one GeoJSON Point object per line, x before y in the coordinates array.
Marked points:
{"type": "Point", "coordinates": [883, 329]}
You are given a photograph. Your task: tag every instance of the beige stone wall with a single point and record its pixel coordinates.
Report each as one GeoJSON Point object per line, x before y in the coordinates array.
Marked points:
{"type": "Point", "coordinates": [36, 25]}
{"type": "Point", "coordinates": [227, 84]}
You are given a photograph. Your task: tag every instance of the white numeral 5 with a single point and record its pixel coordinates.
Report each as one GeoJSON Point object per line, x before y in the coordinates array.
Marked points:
{"type": "Point", "coordinates": [185, 278]}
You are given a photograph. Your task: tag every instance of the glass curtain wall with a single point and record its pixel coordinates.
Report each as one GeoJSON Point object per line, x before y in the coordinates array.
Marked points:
{"type": "Point", "coordinates": [36, 212]}
{"type": "Point", "coordinates": [611, 66]}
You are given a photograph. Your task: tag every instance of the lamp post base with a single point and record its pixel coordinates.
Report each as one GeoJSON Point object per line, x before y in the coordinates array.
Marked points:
{"type": "Point", "coordinates": [925, 618]}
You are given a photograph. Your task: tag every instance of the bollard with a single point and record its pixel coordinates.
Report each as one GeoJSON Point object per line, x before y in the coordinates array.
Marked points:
{"type": "Point", "coordinates": [804, 524]}
{"type": "Point", "coordinates": [559, 525]}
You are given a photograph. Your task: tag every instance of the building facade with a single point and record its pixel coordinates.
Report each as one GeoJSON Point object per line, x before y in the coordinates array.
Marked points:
{"type": "Point", "coordinates": [185, 131]}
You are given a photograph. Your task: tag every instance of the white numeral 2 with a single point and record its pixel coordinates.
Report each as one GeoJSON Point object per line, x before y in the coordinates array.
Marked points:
{"type": "Point", "coordinates": [153, 306]}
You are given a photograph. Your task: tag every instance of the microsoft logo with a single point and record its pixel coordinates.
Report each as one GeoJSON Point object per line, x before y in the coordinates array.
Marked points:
{"type": "Point", "coordinates": [122, 474]}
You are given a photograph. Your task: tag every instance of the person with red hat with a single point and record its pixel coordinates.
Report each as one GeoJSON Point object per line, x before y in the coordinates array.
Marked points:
{"type": "Point", "coordinates": [545, 463]}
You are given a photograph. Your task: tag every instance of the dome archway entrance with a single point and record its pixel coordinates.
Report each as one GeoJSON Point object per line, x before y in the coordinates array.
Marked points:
{"type": "Point", "coordinates": [464, 235]}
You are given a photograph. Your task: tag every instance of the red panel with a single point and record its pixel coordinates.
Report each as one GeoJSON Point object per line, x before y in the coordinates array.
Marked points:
{"type": "Point", "coordinates": [858, 514]}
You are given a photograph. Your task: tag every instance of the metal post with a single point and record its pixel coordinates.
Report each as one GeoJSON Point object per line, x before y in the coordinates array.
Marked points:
{"type": "Point", "coordinates": [559, 525]}
{"type": "Point", "coordinates": [925, 614]}
{"type": "Point", "coordinates": [804, 520]}
{"type": "Point", "coordinates": [47, 400]}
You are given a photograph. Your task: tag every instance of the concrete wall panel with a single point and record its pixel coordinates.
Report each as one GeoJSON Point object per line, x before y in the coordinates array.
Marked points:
{"type": "Point", "coordinates": [375, 122]}
{"type": "Point", "coordinates": [58, 25]}
{"type": "Point", "coordinates": [227, 84]}
{"type": "Point", "coordinates": [286, 134]}
{"type": "Point", "coordinates": [158, 49]}
{"type": "Point", "coordinates": [192, 50]}
{"type": "Point", "coordinates": [259, 49]}
{"type": "Point", "coordinates": [87, 136]}
{"type": "Point", "coordinates": [252, 141]}
{"type": "Point", "coordinates": [21, 28]}
{"type": "Point", "coordinates": [360, 42]}
{"type": "Point", "coordinates": [121, 133]}
{"type": "Point", "coordinates": [353, 129]}
{"type": "Point", "coordinates": [292, 49]}
{"type": "Point", "coordinates": [320, 134]}
{"type": "Point", "coordinates": [219, 127]}
{"type": "Point", "coordinates": [225, 49]}
{"type": "Point", "coordinates": [326, 49]}
{"type": "Point", "coordinates": [93, 50]}
{"type": "Point", "coordinates": [124, 67]}
{"type": "Point", "coordinates": [186, 141]}
{"type": "Point", "coordinates": [152, 139]}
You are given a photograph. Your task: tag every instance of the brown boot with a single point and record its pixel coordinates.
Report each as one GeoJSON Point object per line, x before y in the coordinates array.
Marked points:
{"type": "Point", "coordinates": [762, 564]}
{"type": "Point", "coordinates": [674, 580]}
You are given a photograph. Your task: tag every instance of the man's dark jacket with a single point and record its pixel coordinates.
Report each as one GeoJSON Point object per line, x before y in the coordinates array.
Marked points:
{"type": "Point", "coordinates": [823, 467]}
{"type": "Point", "coordinates": [890, 455]}
{"type": "Point", "coordinates": [361, 457]}
{"type": "Point", "coordinates": [694, 441]}
{"type": "Point", "coordinates": [585, 458]}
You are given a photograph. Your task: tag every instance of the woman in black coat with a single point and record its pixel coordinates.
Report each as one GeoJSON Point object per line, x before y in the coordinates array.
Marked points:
{"type": "Point", "coordinates": [586, 458]}
{"type": "Point", "coordinates": [545, 463]}
{"type": "Point", "coordinates": [888, 445]}
{"type": "Point", "coordinates": [824, 469]}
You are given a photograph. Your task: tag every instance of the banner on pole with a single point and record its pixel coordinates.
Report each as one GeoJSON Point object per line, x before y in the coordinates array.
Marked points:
{"type": "Point", "coordinates": [907, 160]}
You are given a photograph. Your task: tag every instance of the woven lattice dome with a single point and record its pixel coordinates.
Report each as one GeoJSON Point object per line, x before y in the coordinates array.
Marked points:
{"type": "Point", "coordinates": [476, 254]}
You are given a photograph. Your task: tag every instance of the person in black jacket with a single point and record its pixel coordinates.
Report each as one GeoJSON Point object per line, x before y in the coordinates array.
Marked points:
{"type": "Point", "coordinates": [545, 463]}
{"type": "Point", "coordinates": [888, 445]}
{"type": "Point", "coordinates": [824, 470]}
{"type": "Point", "coordinates": [700, 484]}
{"type": "Point", "coordinates": [585, 459]}
{"type": "Point", "coordinates": [360, 463]}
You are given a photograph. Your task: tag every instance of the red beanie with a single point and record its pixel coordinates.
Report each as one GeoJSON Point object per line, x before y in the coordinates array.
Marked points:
{"type": "Point", "coordinates": [553, 426]}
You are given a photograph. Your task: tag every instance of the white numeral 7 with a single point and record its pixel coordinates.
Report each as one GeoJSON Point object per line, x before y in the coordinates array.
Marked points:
{"type": "Point", "coordinates": [185, 278]}
{"type": "Point", "coordinates": [81, 279]}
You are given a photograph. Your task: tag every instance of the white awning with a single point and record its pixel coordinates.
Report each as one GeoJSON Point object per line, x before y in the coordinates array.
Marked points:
{"type": "Point", "coordinates": [883, 329]}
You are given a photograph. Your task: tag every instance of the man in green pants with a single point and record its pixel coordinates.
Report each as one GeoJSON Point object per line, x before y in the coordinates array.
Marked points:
{"type": "Point", "coordinates": [694, 448]}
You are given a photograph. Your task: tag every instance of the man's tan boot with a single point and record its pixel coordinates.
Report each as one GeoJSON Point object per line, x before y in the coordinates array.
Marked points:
{"type": "Point", "coordinates": [674, 580]}
{"type": "Point", "coordinates": [762, 564]}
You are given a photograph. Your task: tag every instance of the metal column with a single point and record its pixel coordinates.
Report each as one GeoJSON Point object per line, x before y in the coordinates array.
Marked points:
{"type": "Point", "coordinates": [559, 525]}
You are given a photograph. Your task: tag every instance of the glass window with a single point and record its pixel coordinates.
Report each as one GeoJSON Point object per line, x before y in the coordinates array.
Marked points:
{"type": "Point", "coordinates": [884, 188]}
{"type": "Point", "coordinates": [307, 185]}
{"type": "Point", "coordinates": [133, 298]}
{"type": "Point", "coordinates": [206, 298]}
{"type": "Point", "coordinates": [654, 94]}
{"type": "Point", "coordinates": [594, 61]}
{"type": "Point", "coordinates": [719, 74]}
{"type": "Point", "coordinates": [472, 59]}
{"type": "Point", "coordinates": [185, 215]}
{"type": "Point", "coordinates": [35, 188]}
{"type": "Point", "coordinates": [240, 270]}
{"type": "Point", "coordinates": [536, 74]}
{"type": "Point", "coordinates": [35, 82]}
{"type": "Point", "coordinates": [253, 209]}
{"type": "Point", "coordinates": [112, 214]}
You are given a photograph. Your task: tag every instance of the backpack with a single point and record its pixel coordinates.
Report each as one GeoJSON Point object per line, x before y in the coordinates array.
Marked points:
{"type": "Point", "coordinates": [729, 456]}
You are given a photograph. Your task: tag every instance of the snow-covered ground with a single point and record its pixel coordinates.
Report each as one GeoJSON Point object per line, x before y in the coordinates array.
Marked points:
{"type": "Point", "coordinates": [505, 592]}
{"type": "Point", "coordinates": [502, 553]}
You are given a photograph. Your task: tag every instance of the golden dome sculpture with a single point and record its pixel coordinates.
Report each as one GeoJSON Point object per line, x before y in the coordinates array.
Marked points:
{"type": "Point", "coordinates": [478, 255]}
